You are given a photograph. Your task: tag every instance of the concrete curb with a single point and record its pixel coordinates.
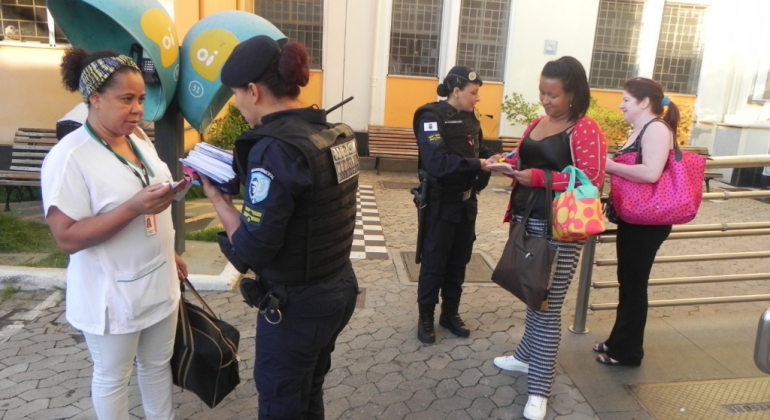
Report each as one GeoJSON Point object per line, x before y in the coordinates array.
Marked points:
{"type": "Point", "coordinates": [29, 278]}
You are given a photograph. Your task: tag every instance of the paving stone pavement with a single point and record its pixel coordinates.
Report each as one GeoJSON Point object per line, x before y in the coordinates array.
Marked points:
{"type": "Point", "coordinates": [380, 370]}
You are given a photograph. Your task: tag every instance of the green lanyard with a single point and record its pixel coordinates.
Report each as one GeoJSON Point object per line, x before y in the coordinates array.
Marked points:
{"type": "Point", "coordinates": [143, 178]}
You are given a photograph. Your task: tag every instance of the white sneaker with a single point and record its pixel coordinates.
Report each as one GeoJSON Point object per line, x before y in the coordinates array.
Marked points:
{"type": "Point", "coordinates": [511, 363]}
{"type": "Point", "coordinates": [535, 408]}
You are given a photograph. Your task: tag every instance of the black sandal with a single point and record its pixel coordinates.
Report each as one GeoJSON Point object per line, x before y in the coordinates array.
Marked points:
{"type": "Point", "coordinates": [600, 348]}
{"type": "Point", "coordinates": [606, 360]}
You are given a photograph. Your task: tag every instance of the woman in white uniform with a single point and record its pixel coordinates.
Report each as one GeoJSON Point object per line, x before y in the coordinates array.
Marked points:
{"type": "Point", "coordinates": [107, 205]}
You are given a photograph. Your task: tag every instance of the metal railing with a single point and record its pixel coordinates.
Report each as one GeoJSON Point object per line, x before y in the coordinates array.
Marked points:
{"type": "Point", "coordinates": [684, 232]}
{"type": "Point", "coordinates": [762, 345]}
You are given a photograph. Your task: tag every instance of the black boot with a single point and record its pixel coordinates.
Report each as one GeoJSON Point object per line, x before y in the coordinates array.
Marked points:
{"type": "Point", "coordinates": [451, 320]}
{"type": "Point", "coordinates": [425, 330]}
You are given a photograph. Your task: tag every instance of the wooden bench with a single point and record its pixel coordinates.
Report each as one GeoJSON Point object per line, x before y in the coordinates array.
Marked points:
{"type": "Point", "coordinates": [30, 146]}
{"type": "Point", "coordinates": [510, 143]}
{"type": "Point", "coordinates": [392, 142]}
{"type": "Point", "coordinates": [703, 151]}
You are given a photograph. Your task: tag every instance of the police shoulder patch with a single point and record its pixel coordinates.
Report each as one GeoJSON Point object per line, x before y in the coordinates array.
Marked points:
{"type": "Point", "coordinates": [434, 137]}
{"type": "Point", "coordinates": [259, 186]}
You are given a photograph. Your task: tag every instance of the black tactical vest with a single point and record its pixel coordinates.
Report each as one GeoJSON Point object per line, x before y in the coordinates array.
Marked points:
{"type": "Point", "coordinates": [319, 235]}
{"type": "Point", "coordinates": [460, 131]}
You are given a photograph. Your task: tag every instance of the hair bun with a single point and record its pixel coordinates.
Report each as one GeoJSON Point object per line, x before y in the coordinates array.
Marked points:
{"type": "Point", "coordinates": [293, 64]}
{"type": "Point", "coordinates": [72, 64]}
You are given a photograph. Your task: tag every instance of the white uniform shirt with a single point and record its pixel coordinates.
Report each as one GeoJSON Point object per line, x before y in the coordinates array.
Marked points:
{"type": "Point", "coordinates": [130, 280]}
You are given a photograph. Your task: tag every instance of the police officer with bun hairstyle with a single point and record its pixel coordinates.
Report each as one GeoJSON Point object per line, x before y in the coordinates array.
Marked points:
{"type": "Point", "coordinates": [449, 141]}
{"type": "Point", "coordinates": [295, 229]}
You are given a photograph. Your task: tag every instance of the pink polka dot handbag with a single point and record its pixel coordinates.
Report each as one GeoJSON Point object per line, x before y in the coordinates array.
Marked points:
{"type": "Point", "coordinates": [673, 200]}
{"type": "Point", "coordinates": [577, 212]}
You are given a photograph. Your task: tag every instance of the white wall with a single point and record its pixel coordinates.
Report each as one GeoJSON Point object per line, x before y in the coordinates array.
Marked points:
{"type": "Point", "coordinates": [571, 23]}
{"type": "Point", "coordinates": [348, 57]}
{"type": "Point", "coordinates": [736, 43]}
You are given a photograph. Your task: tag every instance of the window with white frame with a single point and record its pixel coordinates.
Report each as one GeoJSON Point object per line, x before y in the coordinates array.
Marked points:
{"type": "Point", "coordinates": [28, 21]}
{"type": "Point", "coordinates": [766, 95]}
{"type": "Point", "coordinates": [482, 38]}
{"type": "Point", "coordinates": [415, 37]}
{"type": "Point", "coordinates": [761, 90]}
{"type": "Point", "coordinates": [300, 20]}
{"type": "Point", "coordinates": [620, 28]}
{"type": "Point", "coordinates": [680, 48]}
{"type": "Point", "coordinates": [615, 43]}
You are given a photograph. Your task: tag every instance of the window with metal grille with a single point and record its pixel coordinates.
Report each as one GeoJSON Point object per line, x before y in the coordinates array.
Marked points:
{"type": "Point", "coordinates": [415, 37]}
{"type": "Point", "coordinates": [483, 35]}
{"type": "Point", "coordinates": [680, 48]}
{"type": "Point", "coordinates": [615, 43]}
{"type": "Point", "coordinates": [299, 20]}
{"type": "Point", "coordinates": [28, 21]}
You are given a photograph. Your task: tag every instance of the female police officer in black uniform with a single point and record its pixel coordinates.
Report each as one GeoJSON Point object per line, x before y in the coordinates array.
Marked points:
{"type": "Point", "coordinates": [449, 138]}
{"type": "Point", "coordinates": [295, 229]}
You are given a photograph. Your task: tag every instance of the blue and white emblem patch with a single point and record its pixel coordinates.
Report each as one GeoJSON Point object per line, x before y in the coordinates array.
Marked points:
{"type": "Point", "coordinates": [259, 186]}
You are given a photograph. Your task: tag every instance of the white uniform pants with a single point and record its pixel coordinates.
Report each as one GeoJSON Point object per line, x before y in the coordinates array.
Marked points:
{"type": "Point", "coordinates": [113, 356]}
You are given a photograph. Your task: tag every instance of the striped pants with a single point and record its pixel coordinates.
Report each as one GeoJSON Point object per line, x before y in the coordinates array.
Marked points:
{"type": "Point", "coordinates": [542, 332]}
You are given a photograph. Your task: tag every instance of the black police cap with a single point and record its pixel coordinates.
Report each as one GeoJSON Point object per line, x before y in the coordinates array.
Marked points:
{"type": "Point", "coordinates": [466, 74]}
{"type": "Point", "coordinates": [249, 61]}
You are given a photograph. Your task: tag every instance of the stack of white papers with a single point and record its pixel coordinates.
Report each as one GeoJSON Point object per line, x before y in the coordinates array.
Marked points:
{"type": "Point", "coordinates": [503, 167]}
{"type": "Point", "coordinates": [215, 163]}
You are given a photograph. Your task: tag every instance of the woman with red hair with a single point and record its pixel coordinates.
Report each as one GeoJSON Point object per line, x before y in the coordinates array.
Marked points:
{"type": "Point", "coordinates": [643, 104]}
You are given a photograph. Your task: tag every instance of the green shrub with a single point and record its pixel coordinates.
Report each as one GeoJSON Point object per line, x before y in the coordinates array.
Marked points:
{"type": "Point", "coordinates": [614, 127]}
{"type": "Point", "coordinates": [518, 111]}
{"type": "Point", "coordinates": [223, 131]}
{"type": "Point", "coordinates": [195, 192]}
{"type": "Point", "coordinates": [685, 123]}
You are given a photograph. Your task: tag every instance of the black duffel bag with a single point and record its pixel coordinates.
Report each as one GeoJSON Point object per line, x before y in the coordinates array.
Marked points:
{"type": "Point", "coordinates": [205, 360]}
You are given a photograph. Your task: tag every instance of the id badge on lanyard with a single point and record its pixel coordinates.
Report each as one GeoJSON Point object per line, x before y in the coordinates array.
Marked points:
{"type": "Point", "coordinates": [150, 223]}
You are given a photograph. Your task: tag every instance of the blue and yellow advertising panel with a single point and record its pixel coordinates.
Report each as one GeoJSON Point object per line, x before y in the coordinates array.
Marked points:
{"type": "Point", "coordinates": [205, 49]}
{"type": "Point", "coordinates": [141, 29]}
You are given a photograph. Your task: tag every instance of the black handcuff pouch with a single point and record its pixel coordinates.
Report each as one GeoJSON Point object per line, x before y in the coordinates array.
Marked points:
{"type": "Point", "coordinates": [268, 300]}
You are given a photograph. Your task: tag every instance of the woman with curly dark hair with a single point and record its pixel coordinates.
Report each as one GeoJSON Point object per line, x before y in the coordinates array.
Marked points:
{"type": "Point", "coordinates": [106, 196]}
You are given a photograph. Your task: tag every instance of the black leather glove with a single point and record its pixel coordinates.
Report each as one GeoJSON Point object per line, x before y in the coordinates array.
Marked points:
{"type": "Point", "coordinates": [482, 180]}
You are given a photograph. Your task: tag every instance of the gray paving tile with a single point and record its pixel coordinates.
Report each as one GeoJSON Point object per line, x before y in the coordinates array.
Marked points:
{"type": "Point", "coordinates": [395, 411]}
{"type": "Point", "coordinates": [26, 410]}
{"type": "Point", "coordinates": [481, 408]}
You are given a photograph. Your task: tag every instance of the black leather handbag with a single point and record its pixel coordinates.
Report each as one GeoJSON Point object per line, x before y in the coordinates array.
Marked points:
{"type": "Point", "coordinates": [528, 263]}
{"type": "Point", "coordinates": [205, 360]}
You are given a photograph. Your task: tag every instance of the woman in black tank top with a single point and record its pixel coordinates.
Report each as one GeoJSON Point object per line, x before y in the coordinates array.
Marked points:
{"type": "Point", "coordinates": [642, 105]}
{"type": "Point", "coordinates": [564, 136]}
